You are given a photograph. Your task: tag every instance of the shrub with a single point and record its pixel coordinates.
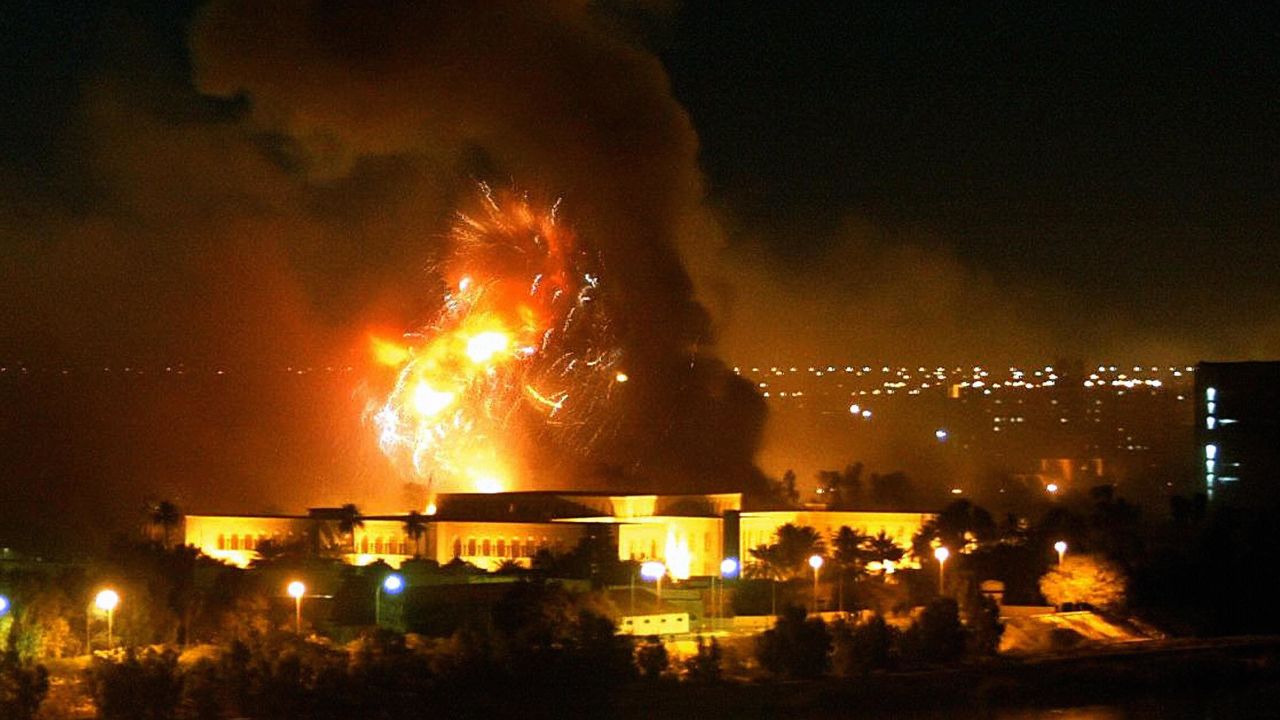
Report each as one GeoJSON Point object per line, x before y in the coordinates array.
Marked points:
{"type": "Point", "coordinates": [652, 658]}
{"type": "Point", "coordinates": [137, 687]}
{"type": "Point", "coordinates": [795, 647]}
{"type": "Point", "coordinates": [860, 648]}
{"type": "Point", "coordinates": [23, 687]}
{"type": "Point", "coordinates": [1085, 579]}
{"type": "Point", "coordinates": [704, 666]}
{"type": "Point", "coordinates": [937, 635]}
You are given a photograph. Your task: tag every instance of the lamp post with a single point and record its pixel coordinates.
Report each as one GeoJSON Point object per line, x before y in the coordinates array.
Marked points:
{"type": "Point", "coordinates": [106, 601]}
{"type": "Point", "coordinates": [4, 606]}
{"type": "Point", "coordinates": [728, 571]}
{"type": "Point", "coordinates": [1061, 547]}
{"type": "Point", "coordinates": [296, 590]}
{"type": "Point", "coordinates": [391, 585]}
{"type": "Point", "coordinates": [654, 570]}
{"type": "Point", "coordinates": [941, 554]}
{"type": "Point", "coordinates": [815, 562]}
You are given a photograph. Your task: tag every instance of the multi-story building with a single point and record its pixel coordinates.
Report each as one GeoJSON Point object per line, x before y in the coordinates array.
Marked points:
{"type": "Point", "coordinates": [691, 534]}
{"type": "Point", "coordinates": [1238, 431]}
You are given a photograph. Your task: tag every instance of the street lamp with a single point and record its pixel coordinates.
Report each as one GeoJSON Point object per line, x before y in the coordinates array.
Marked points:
{"type": "Point", "coordinates": [728, 571]}
{"type": "Point", "coordinates": [1061, 547]}
{"type": "Point", "coordinates": [4, 606]}
{"type": "Point", "coordinates": [815, 562]}
{"type": "Point", "coordinates": [106, 601]}
{"type": "Point", "coordinates": [654, 570]}
{"type": "Point", "coordinates": [941, 554]}
{"type": "Point", "coordinates": [296, 590]}
{"type": "Point", "coordinates": [392, 585]}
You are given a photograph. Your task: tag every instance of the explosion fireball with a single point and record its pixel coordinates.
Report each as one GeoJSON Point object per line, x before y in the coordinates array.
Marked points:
{"type": "Point", "coordinates": [520, 359]}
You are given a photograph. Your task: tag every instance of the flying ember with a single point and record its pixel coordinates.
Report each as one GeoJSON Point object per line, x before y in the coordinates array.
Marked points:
{"type": "Point", "coordinates": [520, 360]}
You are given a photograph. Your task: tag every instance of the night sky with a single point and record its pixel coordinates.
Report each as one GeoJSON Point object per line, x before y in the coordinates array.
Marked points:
{"type": "Point", "coordinates": [250, 189]}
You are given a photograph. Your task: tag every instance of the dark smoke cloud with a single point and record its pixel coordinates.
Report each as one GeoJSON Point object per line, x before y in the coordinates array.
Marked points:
{"type": "Point", "coordinates": [544, 96]}
{"type": "Point", "coordinates": [268, 203]}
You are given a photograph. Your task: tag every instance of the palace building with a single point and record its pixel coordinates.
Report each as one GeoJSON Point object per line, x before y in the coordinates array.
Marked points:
{"type": "Point", "coordinates": [692, 534]}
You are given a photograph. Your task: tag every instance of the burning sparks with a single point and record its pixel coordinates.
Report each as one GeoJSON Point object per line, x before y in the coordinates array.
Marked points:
{"type": "Point", "coordinates": [521, 353]}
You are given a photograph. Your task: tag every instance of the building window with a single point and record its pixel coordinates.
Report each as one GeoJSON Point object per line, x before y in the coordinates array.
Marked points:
{"type": "Point", "coordinates": [471, 547]}
{"type": "Point", "coordinates": [487, 548]}
{"type": "Point", "coordinates": [364, 544]}
{"type": "Point", "coordinates": [222, 542]}
{"type": "Point", "coordinates": [248, 542]}
{"type": "Point", "coordinates": [457, 547]}
{"type": "Point", "coordinates": [235, 542]}
{"type": "Point", "coordinates": [377, 546]}
{"type": "Point", "coordinates": [502, 547]}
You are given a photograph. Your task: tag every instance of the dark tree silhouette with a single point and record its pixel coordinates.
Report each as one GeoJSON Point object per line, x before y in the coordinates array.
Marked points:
{"type": "Point", "coordinates": [415, 526]}
{"type": "Point", "coordinates": [850, 557]}
{"type": "Point", "coordinates": [796, 647]}
{"type": "Point", "coordinates": [348, 520]}
{"type": "Point", "coordinates": [165, 516]}
{"type": "Point", "coordinates": [881, 547]}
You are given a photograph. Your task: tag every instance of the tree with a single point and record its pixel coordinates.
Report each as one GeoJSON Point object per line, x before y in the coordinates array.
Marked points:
{"type": "Point", "coordinates": [849, 553]}
{"type": "Point", "coordinates": [795, 647]}
{"type": "Point", "coordinates": [937, 635]}
{"type": "Point", "coordinates": [1085, 579]}
{"type": "Point", "coordinates": [843, 490]}
{"type": "Point", "coordinates": [784, 491]}
{"type": "Point", "coordinates": [415, 527]}
{"type": "Point", "coordinates": [796, 543]}
{"type": "Point", "coordinates": [652, 658]}
{"type": "Point", "coordinates": [22, 688]}
{"type": "Point", "coordinates": [768, 565]}
{"type": "Point", "coordinates": [165, 516]}
{"type": "Point", "coordinates": [960, 527]}
{"type": "Point", "coordinates": [859, 649]}
{"type": "Point", "coordinates": [787, 557]}
{"type": "Point", "coordinates": [881, 547]}
{"type": "Point", "coordinates": [348, 520]}
{"type": "Point", "coordinates": [704, 665]}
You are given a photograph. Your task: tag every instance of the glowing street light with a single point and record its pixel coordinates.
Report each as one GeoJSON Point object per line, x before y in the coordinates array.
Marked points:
{"type": "Point", "coordinates": [654, 570]}
{"type": "Point", "coordinates": [296, 590]}
{"type": "Point", "coordinates": [4, 606]}
{"type": "Point", "coordinates": [815, 562]}
{"type": "Point", "coordinates": [107, 601]}
{"type": "Point", "coordinates": [728, 571]}
{"type": "Point", "coordinates": [1061, 547]}
{"type": "Point", "coordinates": [941, 434]}
{"type": "Point", "coordinates": [1051, 488]}
{"type": "Point", "coordinates": [941, 554]}
{"type": "Point", "coordinates": [392, 584]}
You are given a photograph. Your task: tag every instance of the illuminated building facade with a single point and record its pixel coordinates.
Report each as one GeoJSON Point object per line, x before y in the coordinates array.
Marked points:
{"type": "Point", "coordinates": [1238, 431]}
{"type": "Point", "coordinates": [691, 534]}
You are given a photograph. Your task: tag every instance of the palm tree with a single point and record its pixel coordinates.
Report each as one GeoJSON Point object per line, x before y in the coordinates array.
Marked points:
{"type": "Point", "coordinates": [166, 516]}
{"type": "Point", "coordinates": [849, 556]}
{"type": "Point", "coordinates": [882, 547]}
{"type": "Point", "coordinates": [958, 526]}
{"type": "Point", "coordinates": [509, 567]}
{"type": "Point", "coordinates": [769, 566]}
{"type": "Point", "coordinates": [795, 544]}
{"type": "Point", "coordinates": [415, 527]}
{"type": "Point", "coordinates": [348, 520]}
